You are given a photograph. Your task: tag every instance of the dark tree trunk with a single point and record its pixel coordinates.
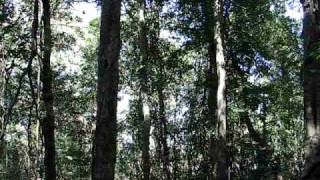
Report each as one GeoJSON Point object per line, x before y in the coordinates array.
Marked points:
{"type": "Point", "coordinates": [165, 153]}
{"type": "Point", "coordinates": [211, 85]}
{"type": "Point", "coordinates": [34, 49]}
{"type": "Point", "coordinates": [143, 88]}
{"type": "Point", "coordinates": [311, 35]}
{"type": "Point", "coordinates": [105, 141]}
{"type": "Point", "coordinates": [212, 106]}
{"type": "Point", "coordinates": [144, 135]}
{"type": "Point", "coordinates": [47, 95]}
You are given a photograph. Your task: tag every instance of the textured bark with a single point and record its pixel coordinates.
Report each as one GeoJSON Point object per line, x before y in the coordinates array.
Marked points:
{"type": "Point", "coordinates": [311, 35]}
{"type": "Point", "coordinates": [222, 166]}
{"type": "Point", "coordinates": [48, 125]}
{"type": "Point", "coordinates": [104, 153]}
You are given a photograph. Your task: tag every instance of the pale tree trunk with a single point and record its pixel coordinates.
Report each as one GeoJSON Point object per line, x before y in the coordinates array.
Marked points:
{"type": "Point", "coordinates": [311, 35]}
{"type": "Point", "coordinates": [222, 166]}
{"type": "Point", "coordinates": [143, 88]}
{"type": "Point", "coordinates": [105, 141]}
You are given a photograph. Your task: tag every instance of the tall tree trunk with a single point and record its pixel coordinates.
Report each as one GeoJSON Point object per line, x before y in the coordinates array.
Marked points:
{"type": "Point", "coordinates": [311, 35]}
{"type": "Point", "coordinates": [144, 136]}
{"type": "Point", "coordinates": [105, 141]}
{"type": "Point", "coordinates": [222, 166]}
{"type": "Point", "coordinates": [47, 95]}
{"type": "Point", "coordinates": [145, 146]}
{"type": "Point", "coordinates": [165, 152]}
{"type": "Point", "coordinates": [143, 88]}
{"type": "Point", "coordinates": [212, 105]}
{"type": "Point", "coordinates": [2, 94]}
{"type": "Point", "coordinates": [34, 49]}
{"type": "Point", "coordinates": [212, 81]}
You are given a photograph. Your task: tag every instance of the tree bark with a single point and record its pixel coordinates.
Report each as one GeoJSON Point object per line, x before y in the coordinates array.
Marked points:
{"type": "Point", "coordinates": [47, 95]}
{"type": "Point", "coordinates": [212, 82]}
{"type": "Point", "coordinates": [311, 35]}
{"type": "Point", "coordinates": [105, 141]}
{"type": "Point", "coordinates": [222, 166]}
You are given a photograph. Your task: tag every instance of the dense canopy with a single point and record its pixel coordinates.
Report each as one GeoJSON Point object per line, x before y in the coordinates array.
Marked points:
{"type": "Point", "coordinates": [160, 89]}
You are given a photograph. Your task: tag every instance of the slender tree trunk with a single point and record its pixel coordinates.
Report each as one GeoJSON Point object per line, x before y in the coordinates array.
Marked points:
{"type": "Point", "coordinates": [3, 81]}
{"type": "Point", "coordinates": [212, 81]}
{"type": "Point", "coordinates": [222, 166]}
{"type": "Point", "coordinates": [144, 135]}
{"type": "Point", "coordinates": [2, 94]}
{"type": "Point", "coordinates": [47, 95]}
{"type": "Point", "coordinates": [145, 146]}
{"type": "Point", "coordinates": [311, 35]}
{"type": "Point", "coordinates": [165, 153]}
{"type": "Point", "coordinates": [145, 115]}
{"type": "Point", "coordinates": [34, 49]}
{"type": "Point", "coordinates": [212, 106]}
{"type": "Point", "coordinates": [105, 142]}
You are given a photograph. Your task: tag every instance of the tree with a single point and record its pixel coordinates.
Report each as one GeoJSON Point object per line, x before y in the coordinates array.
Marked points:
{"type": "Point", "coordinates": [311, 35]}
{"type": "Point", "coordinates": [222, 166]}
{"type": "Point", "coordinates": [48, 123]}
{"type": "Point", "coordinates": [105, 142]}
{"type": "Point", "coordinates": [144, 114]}
{"type": "Point", "coordinates": [174, 58]}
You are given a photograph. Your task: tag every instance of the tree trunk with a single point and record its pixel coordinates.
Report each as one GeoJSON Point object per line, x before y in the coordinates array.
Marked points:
{"type": "Point", "coordinates": [212, 105]}
{"type": "Point", "coordinates": [105, 141]}
{"type": "Point", "coordinates": [47, 95]}
{"type": "Point", "coordinates": [222, 166]}
{"type": "Point", "coordinates": [144, 135]}
{"type": "Point", "coordinates": [34, 49]}
{"type": "Point", "coordinates": [2, 94]}
{"type": "Point", "coordinates": [165, 153]}
{"type": "Point", "coordinates": [143, 88]}
{"type": "Point", "coordinates": [311, 35]}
